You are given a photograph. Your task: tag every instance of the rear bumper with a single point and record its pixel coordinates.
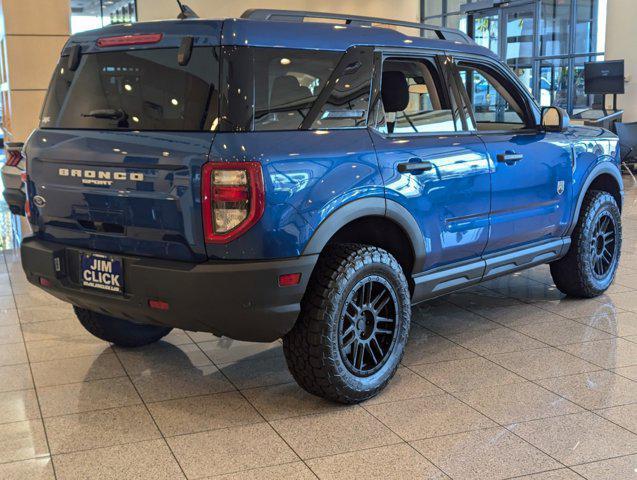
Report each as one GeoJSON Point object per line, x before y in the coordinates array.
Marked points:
{"type": "Point", "coordinates": [240, 300]}
{"type": "Point", "coordinates": [12, 177]}
{"type": "Point", "coordinates": [15, 199]}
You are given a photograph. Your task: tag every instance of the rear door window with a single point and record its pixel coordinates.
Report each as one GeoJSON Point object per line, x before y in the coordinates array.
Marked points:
{"type": "Point", "coordinates": [414, 98]}
{"type": "Point", "coordinates": [142, 89]}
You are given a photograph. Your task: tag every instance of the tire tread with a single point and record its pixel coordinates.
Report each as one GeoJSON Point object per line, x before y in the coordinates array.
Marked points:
{"type": "Point", "coordinates": [312, 364]}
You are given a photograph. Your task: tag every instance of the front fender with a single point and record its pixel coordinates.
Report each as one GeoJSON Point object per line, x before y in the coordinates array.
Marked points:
{"type": "Point", "coordinates": [604, 167]}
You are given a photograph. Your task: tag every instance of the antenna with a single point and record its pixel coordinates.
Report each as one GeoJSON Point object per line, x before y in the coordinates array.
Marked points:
{"type": "Point", "coordinates": [185, 11]}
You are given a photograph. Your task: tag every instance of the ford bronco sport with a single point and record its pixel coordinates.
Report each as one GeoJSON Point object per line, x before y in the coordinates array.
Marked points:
{"type": "Point", "coordinates": [272, 177]}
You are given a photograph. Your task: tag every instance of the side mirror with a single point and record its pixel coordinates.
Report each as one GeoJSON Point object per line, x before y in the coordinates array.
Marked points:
{"type": "Point", "coordinates": [554, 119]}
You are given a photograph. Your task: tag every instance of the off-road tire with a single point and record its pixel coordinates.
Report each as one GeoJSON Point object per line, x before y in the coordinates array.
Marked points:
{"type": "Point", "coordinates": [312, 348]}
{"type": "Point", "coordinates": [119, 332]}
{"type": "Point", "coordinates": [574, 274]}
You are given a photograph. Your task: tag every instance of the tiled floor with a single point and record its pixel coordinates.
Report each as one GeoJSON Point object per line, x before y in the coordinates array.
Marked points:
{"type": "Point", "coordinates": [505, 380]}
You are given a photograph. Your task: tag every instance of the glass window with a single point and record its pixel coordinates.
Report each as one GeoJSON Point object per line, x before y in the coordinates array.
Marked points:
{"type": "Point", "coordinates": [493, 98]}
{"type": "Point", "coordinates": [457, 21]}
{"type": "Point", "coordinates": [581, 101]}
{"type": "Point", "coordinates": [433, 8]}
{"type": "Point", "coordinates": [135, 90]}
{"type": "Point", "coordinates": [277, 89]}
{"type": "Point", "coordinates": [519, 34]}
{"type": "Point", "coordinates": [91, 14]}
{"type": "Point", "coordinates": [413, 98]}
{"type": "Point", "coordinates": [453, 6]}
{"type": "Point", "coordinates": [554, 76]}
{"type": "Point", "coordinates": [286, 86]}
{"type": "Point", "coordinates": [487, 32]}
{"type": "Point", "coordinates": [555, 27]}
{"type": "Point", "coordinates": [437, 21]}
{"type": "Point", "coordinates": [348, 102]}
{"type": "Point", "coordinates": [590, 23]}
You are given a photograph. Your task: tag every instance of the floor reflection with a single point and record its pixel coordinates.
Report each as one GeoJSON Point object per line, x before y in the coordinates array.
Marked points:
{"type": "Point", "coordinates": [505, 380]}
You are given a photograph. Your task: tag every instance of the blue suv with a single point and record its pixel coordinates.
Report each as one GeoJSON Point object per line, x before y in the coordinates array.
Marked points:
{"type": "Point", "coordinates": [272, 177]}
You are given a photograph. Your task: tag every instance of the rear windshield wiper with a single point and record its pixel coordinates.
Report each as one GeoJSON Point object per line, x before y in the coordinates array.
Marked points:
{"type": "Point", "coordinates": [109, 114]}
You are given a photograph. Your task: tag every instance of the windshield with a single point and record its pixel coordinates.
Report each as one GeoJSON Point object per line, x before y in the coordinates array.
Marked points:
{"type": "Point", "coordinates": [135, 90]}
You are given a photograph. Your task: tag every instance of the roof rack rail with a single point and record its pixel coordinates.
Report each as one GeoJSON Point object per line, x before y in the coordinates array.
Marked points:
{"type": "Point", "coordinates": [442, 33]}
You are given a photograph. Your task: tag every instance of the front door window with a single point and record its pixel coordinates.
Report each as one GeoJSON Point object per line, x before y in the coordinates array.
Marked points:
{"type": "Point", "coordinates": [494, 105]}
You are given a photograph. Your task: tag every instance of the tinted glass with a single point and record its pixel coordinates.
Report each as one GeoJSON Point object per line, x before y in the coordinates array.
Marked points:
{"type": "Point", "coordinates": [276, 89]}
{"type": "Point", "coordinates": [347, 97]}
{"type": "Point", "coordinates": [427, 109]}
{"type": "Point", "coordinates": [135, 90]}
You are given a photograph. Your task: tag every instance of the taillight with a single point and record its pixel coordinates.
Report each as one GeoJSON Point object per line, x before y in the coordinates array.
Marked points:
{"type": "Point", "coordinates": [125, 40]}
{"type": "Point", "coordinates": [13, 158]}
{"type": "Point", "coordinates": [233, 199]}
{"type": "Point", "coordinates": [25, 181]}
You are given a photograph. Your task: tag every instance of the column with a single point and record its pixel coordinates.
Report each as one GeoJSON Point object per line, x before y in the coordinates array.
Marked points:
{"type": "Point", "coordinates": [32, 34]}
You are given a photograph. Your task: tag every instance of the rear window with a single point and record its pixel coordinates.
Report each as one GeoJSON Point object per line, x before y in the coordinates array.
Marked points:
{"type": "Point", "coordinates": [135, 90]}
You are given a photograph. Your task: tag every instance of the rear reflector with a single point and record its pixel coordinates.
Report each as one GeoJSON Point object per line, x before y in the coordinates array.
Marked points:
{"type": "Point", "coordinates": [158, 305]}
{"type": "Point", "coordinates": [45, 282]}
{"type": "Point", "coordinates": [13, 158]}
{"type": "Point", "coordinates": [125, 40]}
{"type": "Point", "coordinates": [289, 279]}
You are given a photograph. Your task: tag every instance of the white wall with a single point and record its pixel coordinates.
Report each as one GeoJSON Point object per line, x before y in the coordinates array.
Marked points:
{"type": "Point", "coordinates": [396, 9]}
{"type": "Point", "coordinates": [32, 34]}
{"type": "Point", "coordinates": [621, 43]}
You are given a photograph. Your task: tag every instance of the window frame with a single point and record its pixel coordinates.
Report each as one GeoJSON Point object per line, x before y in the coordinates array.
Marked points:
{"type": "Point", "coordinates": [509, 81]}
{"type": "Point", "coordinates": [437, 58]}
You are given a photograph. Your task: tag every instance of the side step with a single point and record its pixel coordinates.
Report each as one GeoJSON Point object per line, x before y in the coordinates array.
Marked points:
{"type": "Point", "coordinates": [434, 283]}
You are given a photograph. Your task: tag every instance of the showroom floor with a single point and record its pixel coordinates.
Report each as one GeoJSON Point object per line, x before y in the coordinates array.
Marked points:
{"type": "Point", "coordinates": [501, 381]}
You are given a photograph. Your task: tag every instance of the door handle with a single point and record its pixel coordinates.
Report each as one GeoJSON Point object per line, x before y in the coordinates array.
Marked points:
{"type": "Point", "coordinates": [510, 158]}
{"type": "Point", "coordinates": [415, 166]}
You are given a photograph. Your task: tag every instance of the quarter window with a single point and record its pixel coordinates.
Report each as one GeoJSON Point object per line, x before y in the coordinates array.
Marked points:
{"type": "Point", "coordinates": [413, 99]}
{"type": "Point", "coordinates": [285, 89]}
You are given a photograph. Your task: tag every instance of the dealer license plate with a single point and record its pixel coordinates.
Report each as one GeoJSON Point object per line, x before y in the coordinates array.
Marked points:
{"type": "Point", "coordinates": [102, 272]}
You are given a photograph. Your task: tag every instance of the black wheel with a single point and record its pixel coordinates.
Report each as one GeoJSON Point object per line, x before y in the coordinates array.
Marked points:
{"type": "Point", "coordinates": [353, 327]}
{"type": "Point", "coordinates": [589, 267]}
{"type": "Point", "coordinates": [120, 332]}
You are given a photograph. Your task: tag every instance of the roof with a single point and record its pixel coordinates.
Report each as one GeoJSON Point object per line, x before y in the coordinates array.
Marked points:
{"type": "Point", "coordinates": [265, 33]}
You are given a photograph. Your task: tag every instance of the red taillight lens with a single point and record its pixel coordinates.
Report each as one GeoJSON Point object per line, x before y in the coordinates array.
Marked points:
{"type": "Point", "coordinates": [13, 158]}
{"type": "Point", "coordinates": [233, 199]}
{"type": "Point", "coordinates": [125, 40]}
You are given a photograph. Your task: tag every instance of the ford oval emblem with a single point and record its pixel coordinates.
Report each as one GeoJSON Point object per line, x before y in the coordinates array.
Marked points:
{"type": "Point", "coordinates": [39, 201]}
